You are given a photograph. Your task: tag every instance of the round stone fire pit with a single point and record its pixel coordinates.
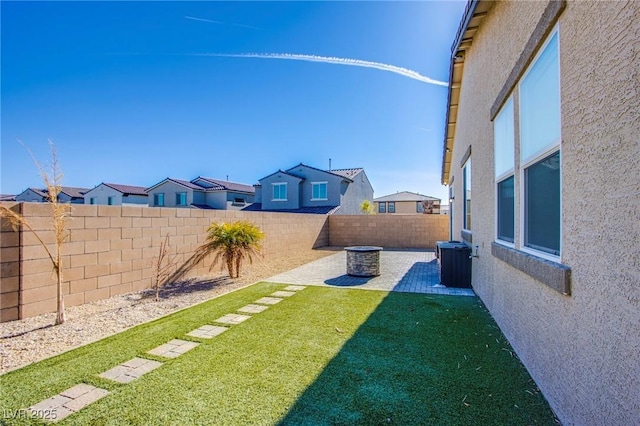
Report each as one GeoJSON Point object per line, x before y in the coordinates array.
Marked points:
{"type": "Point", "coordinates": [363, 261]}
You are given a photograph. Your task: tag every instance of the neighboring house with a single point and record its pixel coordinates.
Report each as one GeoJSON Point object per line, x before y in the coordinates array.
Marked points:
{"type": "Point", "coordinates": [67, 194]}
{"type": "Point", "coordinates": [541, 139]}
{"type": "Point", "coordinates": [406, 202]}
{"type": "Point", "coordinates": [201, 192]}
{"type": "Point", "coordinates": [7, 197]}
{"type": "Point", "coordinates": [113, 194]}
{"type": "Point", "coordinates": [305, 189]}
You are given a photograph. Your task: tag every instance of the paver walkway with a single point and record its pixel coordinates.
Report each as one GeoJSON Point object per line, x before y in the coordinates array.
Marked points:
{"type": "Point", "coordinates": [207, 331]}
{"type": "Point", "coordinates": [173, 349]}
{"type": "Point", "coordinates": [414, 271]}
{"type": "Point", "coordinates": [269, 300]}
{"type": "Point", "coordinates": [68, 402]}
{"type": "Point", "coordinates": [232, 319]}
{"type": "Point", "coordinates": [130, 370]}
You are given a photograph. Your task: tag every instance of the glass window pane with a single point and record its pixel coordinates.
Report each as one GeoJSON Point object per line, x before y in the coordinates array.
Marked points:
{"type": "Point", "coordinates": [381, 207]}
{"type": "Point", "coordinates": [542, 205]}
{"type": "Point", "coordinates": [467, 196]}
{"type": "Point", "coordinates": [392, 207]}
{"type": "Point", "coordinates": [506, 203]}
{"type": "Point", "coordinates": [503, 133]}
{"type": "Point", "coordinates": [540, 103]}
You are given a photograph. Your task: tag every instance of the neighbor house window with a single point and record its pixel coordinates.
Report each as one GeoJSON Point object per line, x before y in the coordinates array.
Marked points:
{"type": "Point", "coordinates": [466, 189]}
{"type": "Point", "coordinates": [540, 160]}
{"type": "Point", "coordinates": [181, 199]}
{"type": "Point", "coordinates": [158, 199]}
{"type": "Point", "coordinates": [280, 191]}
{"type": "Point", "coordinates": [419, 207]}
{"type": "Point", "coordinates": [318, 191]}
{"type": "Point", "coordinates": [92, 200]}
{"type": "Point", "coordinates": [503, 137]}
{"type": "Point", "coordinates": [110, 201]}
{"type": "Point", "coordinates": [238, 200]}
{"type": "Point", "coordinates": [391, 207]}
{"type": "Point", "coordinates": [382, 207]}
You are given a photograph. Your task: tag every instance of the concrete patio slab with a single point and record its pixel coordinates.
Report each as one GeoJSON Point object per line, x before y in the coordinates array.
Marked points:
{"type": "Point", "coordinates": [130, 370]}
{"type": "Point", "coordinates": [67, 402]}
{"type": "Point", "coordinates": [269, 300]}
{"type": "Point", "coordinates": [253, 309]}
{"type": "Point", "coordinates": [208, 331]}
{"type": "Point", "coordinates": [173, 349]}
{"type": "Point", "coordinates": [232, 319]}
{"type": "Point", "coordinates": [413, 271]}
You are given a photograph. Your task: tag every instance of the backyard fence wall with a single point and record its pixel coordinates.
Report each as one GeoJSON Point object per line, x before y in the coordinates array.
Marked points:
{"type": "Point", "coordinates": [111, 249]}
{"type": "Point", "coordinates": [389, 231]}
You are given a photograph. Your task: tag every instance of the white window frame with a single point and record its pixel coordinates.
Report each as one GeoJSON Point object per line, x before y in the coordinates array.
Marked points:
{"type": "Point", "coordinates": [273, 188]}
{"type": "Point", "coordinates": [326, 190]}
{"type": "Point", "coordinates": [548, 150]}
{"type": "Point", "coordinates": [506, 174]}
{"type": "Point", "coordinates": [389, 204]}
{"type": "Point", "coordinates": [382, 207]}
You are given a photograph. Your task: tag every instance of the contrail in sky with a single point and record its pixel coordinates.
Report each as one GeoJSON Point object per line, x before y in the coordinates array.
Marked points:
{"type": "Point", "coordinates": [193, 18]}
{"type": "Point", "coordinates": [339, 61]}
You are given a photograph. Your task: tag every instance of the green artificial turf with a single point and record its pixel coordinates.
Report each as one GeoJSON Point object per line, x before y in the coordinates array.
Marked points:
{"type": "Point", "coordinates": [322, 356]}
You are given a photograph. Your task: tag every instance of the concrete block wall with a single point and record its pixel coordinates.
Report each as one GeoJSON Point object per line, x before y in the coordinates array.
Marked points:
{"type": "Point", "coordinates": [389, 231]}
{"type": "Point", "coordinates": [111, 249]}
{"type": "Point", "coordinates": [9, 269]}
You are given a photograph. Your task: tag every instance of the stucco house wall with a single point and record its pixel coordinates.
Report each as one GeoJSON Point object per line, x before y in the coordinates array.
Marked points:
{"type": "Point", "coordinates": [316, 176]}
{"type": "Point", "coordinates": [293, 192]}
{"type": "Point", "coordinates": [170, 189]}
{"type": "Point", "coordinates": [102, 192]}
{"type": "Point", "coordinates": [582, 348]}
{"type": "Point", "coordinates": [28, 196]}
{"type": "Point", "coordinates": [354, 193]}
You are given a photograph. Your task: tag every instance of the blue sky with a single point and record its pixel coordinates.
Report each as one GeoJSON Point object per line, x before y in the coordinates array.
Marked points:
{"type": "Point", "coordinates": [133, 92]}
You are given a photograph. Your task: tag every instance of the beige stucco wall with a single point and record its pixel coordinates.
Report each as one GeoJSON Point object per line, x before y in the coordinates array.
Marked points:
{"type": "Point", "coordinates": [583, 350]}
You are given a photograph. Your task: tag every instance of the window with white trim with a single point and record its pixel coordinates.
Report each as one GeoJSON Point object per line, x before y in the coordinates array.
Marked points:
{"type": "Point", "coordinates": [503, 136]}
{"type": "Point", "coordinates": [382, 207]}
{"type": "Point", "coordinates": [318, 191]}
{"type": "Point", "coordinates": [279, 191]}
{"type": "Point", "coordinates": [540, 165]}
{"type": "Point", "coordinates": [181, 198]}
{"type": "Point", "coordinates": [110, 201]}
{"type": "Point", "coordinates": [391, 207]}
{"type": "Point", "coordinates": [466, 190]}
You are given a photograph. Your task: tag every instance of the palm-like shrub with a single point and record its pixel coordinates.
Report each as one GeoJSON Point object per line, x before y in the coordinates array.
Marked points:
{"type": "Point", "coordinates": [232, 243]}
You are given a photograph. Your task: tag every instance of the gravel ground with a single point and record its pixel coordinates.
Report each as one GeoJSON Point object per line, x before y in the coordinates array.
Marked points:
{"type": "Point", "coordinates": [33, 339]}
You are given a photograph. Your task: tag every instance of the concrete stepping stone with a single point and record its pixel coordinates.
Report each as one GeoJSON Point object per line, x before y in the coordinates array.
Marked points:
{"type": "Point", "coordinates": [68, 402]}
{"type": "Point", "coordinates": [207, 331]}
{"type": "Point", "coordinates": [269, 300]}
{"type": "Point", "coordinates": [130, 370]}
{"type": "Point", "coordinates": [173, 349]}
{"type": "Point", "coordinates": [233, 319]}
{"type": "Point", "coordinates": [283, 293]}
{"type": "Point", "coordinates": [294, 288]}
{"type": "Point", "coordinates": [253, 309]}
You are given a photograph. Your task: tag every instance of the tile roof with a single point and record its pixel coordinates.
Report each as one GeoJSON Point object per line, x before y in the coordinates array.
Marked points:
{"type": "Point", "coordinates": [127, 189]}
{"type": "Point", "coordinates": [345, 173]}
{"type": "Point", "coordinates": [257, 207]}
{"type": "Point", "coordinates": [406, 196]}
{"type": "Point", "coordinates": [348, 173]}
{"type": "Point", "coordinates": [7, 197]}
{"type": "Point", "coordinates": [72, 191]}
{"type": "Point", "coordinates": [225, 185]}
